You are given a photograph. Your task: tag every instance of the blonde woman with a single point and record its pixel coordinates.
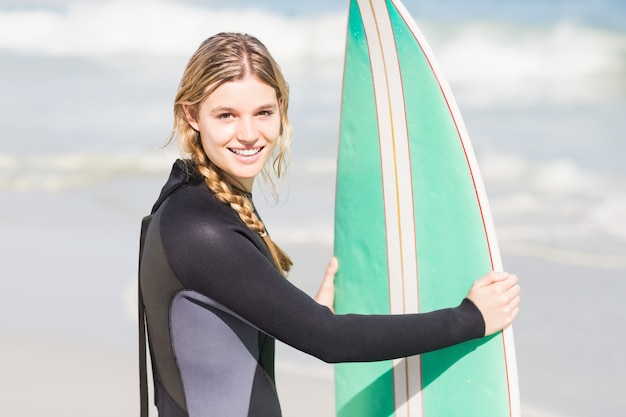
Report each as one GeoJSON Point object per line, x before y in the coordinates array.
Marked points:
{"type": "Point", "coordinates": [212, 281]}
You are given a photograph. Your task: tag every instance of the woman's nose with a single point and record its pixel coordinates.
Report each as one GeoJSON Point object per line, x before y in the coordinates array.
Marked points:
{"type": "Point", "coordinates": [247, 130]}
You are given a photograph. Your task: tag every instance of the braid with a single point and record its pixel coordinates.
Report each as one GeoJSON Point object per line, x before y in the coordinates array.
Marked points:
{"type": "Point", "coordinates": [242, 206]}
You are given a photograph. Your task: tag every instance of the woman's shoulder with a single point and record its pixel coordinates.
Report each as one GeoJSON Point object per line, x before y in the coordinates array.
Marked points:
{"type": "Point", "coordinates": [196, 207]}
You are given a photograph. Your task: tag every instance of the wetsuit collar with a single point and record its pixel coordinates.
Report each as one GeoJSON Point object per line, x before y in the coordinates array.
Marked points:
{"type": "Point", "coordinates": [183, 172]}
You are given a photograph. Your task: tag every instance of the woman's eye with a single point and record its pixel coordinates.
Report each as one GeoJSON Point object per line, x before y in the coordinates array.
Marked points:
{"type": "Point", "coordinates": [225, 116]}
{"type": "Point", "coordinates": [265, 113]}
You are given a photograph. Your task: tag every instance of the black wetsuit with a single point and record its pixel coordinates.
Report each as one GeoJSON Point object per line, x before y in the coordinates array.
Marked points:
{"type": "Point", "coordinates": [215, 303]}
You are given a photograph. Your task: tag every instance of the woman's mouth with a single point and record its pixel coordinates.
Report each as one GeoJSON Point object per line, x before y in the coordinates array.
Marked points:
{"type": "Point", "coordinates": [246, 152]}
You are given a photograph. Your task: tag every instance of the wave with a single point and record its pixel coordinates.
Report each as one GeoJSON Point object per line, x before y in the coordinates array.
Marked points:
{"type": "Point", "coordinates": [487, 62]}
{"type": "Point", "coordinates": [564, 63]}
{"type": "Point", "coordinates": [166, 28]}
{"type": "Point", "coordinates": [554, 254]}
{"type": "Point", "coordinates": [59, 172]}
{"type": "Point", "coordinates": [534, 412]}
{"type": "Point", "coordinates": [559, 190]}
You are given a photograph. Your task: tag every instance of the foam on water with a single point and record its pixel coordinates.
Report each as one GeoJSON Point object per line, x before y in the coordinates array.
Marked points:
{"type": "Point", "coordinates": [564, 63]}
{"type": "Point", "coordinates": [488, 63]}
{"type": "Point", "coordinates": [557, 210]}
{"type": "Point", "coordinates": [60, 172]}
{"type": "Point", "coordinates": [166, 28]}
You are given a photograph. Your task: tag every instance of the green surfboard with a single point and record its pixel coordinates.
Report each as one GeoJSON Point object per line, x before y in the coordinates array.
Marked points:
{"type": "Point", "coordinates": [413, 228]}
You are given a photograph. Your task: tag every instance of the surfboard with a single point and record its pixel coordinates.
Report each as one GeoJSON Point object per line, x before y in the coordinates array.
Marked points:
{"type": "Point", "coordinates": [413, 229]}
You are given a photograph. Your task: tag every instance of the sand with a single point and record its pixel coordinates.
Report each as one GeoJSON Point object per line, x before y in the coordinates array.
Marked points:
{"type": "Point", "coordinates": [46, 379]}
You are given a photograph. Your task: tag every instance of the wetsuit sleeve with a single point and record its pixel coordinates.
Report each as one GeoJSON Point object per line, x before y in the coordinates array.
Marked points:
{"type": "Point", "coordinates": [225, 262]}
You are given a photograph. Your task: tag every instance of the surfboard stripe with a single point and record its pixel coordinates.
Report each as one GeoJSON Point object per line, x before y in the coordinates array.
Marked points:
{"type": "Point", "coordinates": [398, 194]}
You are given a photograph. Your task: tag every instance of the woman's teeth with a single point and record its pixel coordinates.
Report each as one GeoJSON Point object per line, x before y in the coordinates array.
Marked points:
{"type": "Point", "coordinates": [246, 152]}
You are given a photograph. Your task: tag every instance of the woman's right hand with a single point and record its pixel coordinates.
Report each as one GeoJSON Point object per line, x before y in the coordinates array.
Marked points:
{"type": "Point", "coordinates": [497, 296]}
{"type": "Point", "coordinates": [326, 294]}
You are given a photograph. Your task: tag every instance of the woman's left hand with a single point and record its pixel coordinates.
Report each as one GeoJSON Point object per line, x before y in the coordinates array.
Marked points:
{"type": "Point", "coordinates": [326, 294]}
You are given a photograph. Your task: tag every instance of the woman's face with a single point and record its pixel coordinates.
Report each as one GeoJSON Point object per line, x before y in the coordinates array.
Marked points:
{"type": "Point", "coordinates": [239, 124]}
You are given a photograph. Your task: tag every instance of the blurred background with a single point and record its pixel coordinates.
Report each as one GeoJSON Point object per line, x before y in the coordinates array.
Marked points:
{"type": "Point", "coordinates": [86, 91]}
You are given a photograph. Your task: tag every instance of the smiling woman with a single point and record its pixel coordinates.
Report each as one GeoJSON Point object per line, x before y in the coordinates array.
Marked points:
{"type": "Point", "coordinates": [212, 282]}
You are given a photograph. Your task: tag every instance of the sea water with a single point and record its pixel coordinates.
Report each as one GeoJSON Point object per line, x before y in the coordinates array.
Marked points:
{"type": "Point", "coordinates": [86, 92]}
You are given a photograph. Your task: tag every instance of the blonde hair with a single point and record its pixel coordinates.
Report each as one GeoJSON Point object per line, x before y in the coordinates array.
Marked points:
{"type": "Point", "coordinates": [220, 59]}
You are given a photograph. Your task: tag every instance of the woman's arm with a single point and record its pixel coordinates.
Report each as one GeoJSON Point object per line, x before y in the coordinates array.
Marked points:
{"type": "Point", "coordinates": [213, 253]}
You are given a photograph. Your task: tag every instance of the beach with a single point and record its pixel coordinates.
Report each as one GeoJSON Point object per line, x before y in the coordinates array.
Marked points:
{"type": "Point", "coordinates": [86, 107]}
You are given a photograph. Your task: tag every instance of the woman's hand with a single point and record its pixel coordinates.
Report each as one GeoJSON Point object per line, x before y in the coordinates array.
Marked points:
{"type": "Point", "coordinates": [326, 294]}
{"type": "Point", "coordinates": [497, 296]}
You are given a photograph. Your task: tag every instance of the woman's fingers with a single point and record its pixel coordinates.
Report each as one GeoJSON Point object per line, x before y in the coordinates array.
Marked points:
{"type": "Point", "coordinates": [490, 278]}
{"type": "Point", "coordinates": [331, 269]}
{"type": "Point", "coordinates": [326, 294]}
{"type": "Point", "coordinates": [497, 296]}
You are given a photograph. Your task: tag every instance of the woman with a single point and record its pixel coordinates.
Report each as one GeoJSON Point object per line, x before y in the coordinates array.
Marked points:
{"type": "Point", "coordinates": [213, 281]}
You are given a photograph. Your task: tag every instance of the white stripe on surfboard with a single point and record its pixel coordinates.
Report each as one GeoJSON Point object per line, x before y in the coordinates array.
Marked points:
{"type": "Point", "coordinates": [397, 192]}
{"type": "Point", "coordinates": [496, 260]}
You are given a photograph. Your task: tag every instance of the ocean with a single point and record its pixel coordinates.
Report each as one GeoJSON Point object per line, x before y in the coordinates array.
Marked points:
{"type": "Point", "coordinates": [86, 91]}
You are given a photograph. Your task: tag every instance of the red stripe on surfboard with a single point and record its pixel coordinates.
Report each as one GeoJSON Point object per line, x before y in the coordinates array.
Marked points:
{"type": "Point", "coordinates": [504, 345]}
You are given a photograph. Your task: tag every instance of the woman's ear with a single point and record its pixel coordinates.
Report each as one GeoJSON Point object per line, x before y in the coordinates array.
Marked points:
{"type": "Point", "coordinates": [192, 116]}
